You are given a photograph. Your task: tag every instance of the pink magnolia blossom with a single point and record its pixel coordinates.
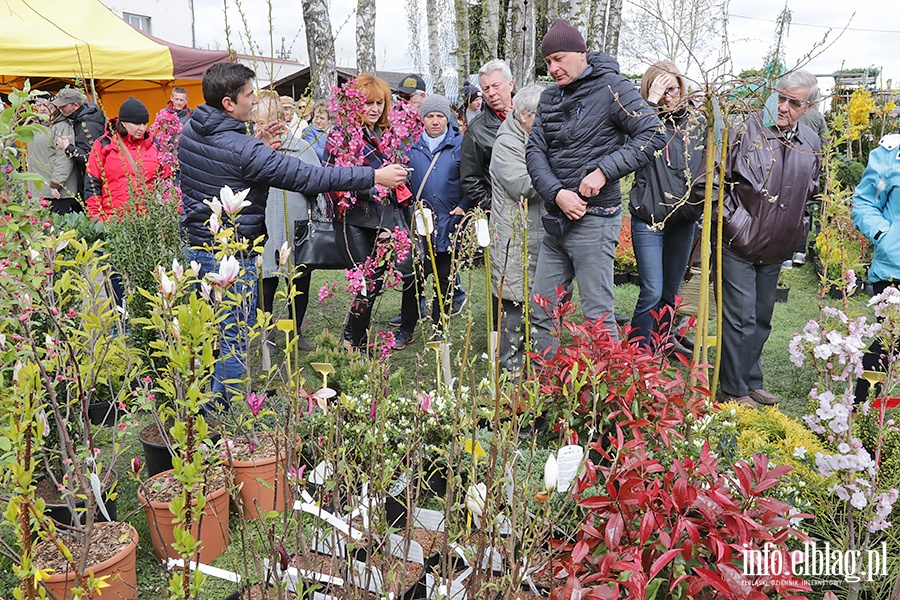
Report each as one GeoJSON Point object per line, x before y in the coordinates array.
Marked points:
{"type": "Point", "coordinates": [255, 402]}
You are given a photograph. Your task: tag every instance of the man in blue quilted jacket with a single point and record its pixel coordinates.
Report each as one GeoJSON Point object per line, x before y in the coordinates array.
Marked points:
{"type": "Point", "coordinates": [591, 129]}
{"type": "Point", "coordinates": [215, 150]}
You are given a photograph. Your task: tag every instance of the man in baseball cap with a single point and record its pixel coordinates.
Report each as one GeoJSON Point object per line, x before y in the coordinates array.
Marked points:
{"type": "Point", "coordinates": [89, 124]}
{"type": "Point", "coordinates": [412, 89]}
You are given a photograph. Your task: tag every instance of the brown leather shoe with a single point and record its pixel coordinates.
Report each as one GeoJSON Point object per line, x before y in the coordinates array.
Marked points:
{"type": "Point", "coordinates": [764, 397]}
{"type": "Point", "coordinates": [745, 400]}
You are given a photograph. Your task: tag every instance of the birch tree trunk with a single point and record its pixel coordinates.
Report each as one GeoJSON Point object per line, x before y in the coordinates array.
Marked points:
{"type": "Point", "coordinates": [412, 22]}
{"type": "Point", "coordinates": [365, 35]}
{"type": "Point", "coordinates": [579, 15]}
{"type": "Point", "coordinates": [520, 44]}
{"type": "Point", "coordinates": [433, 22]}
{"type": "Point", "coordinates": [553, 11]}
{"type": "Point", "coordinates": [613, 27]}
{"type": "Point", "coordinates": [462, 41]}
{"type": "Point", "coordinates": [320, 45]}
{"type": "Point", "coordinates": [596, 38]}
{"type": "Point", "coordinates": [491, 28]}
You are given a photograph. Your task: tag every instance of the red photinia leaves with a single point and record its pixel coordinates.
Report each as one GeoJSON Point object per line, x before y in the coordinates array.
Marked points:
{"type": "Point", "coordinates": [684, 513]}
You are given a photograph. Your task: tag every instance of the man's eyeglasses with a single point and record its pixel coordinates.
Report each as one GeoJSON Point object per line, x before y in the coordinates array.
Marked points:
{"type": "Point", "coordinates": [793, 102]}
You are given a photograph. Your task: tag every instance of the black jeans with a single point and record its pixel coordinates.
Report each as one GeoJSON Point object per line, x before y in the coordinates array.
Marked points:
{"type": "Point", "coordinates": [359, 243]}
{"type": "Point", "coordinates": [301, 284]}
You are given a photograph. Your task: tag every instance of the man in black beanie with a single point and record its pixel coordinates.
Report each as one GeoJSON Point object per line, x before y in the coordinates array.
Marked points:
{"type": "Point", "coordinates": [592, 128]}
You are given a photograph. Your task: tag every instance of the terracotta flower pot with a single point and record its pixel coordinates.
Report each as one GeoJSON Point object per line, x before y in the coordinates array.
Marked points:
{"type": "Point", "coordinates": [211, 529]}
{"type": "Point", "coordinates": [120, 568]}
{"type": "Point", "coordinates": [258, 487]}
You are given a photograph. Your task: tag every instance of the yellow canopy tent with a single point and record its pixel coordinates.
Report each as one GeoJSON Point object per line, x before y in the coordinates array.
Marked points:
{"type": "Point", "coordinates": [53, 44]}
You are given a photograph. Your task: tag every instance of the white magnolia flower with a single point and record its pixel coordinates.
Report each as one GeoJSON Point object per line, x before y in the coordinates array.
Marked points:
{"type": "Point", "coordinates": [476, 496]}
{"type": "Point", "coordinates": [205, 290]}
{"type": "Point", "coordinates": [195, 267]}
{"type": "Point", "coordinates": [284, 253]}
{"type": "Point", "coordinates": [233, 203]}
{"type": "Point", "coordinates": [176, 330]}
{"type": "Point", "coordinates": [229, 270]}
{"type": "Point", "coordinates": [215, 206]}
{"type": "Point", "coordinates": [166, 285]}
{"type": "Point", "coordinates": [551, 473]}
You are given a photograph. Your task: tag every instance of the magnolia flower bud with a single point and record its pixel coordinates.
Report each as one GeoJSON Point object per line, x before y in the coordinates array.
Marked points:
{"type": "Point", "coordinates": [284, 254]}
{"type": "Point", "coordinates": [136, 465]}
{"type": "Point", "coordinates": [177, 270]}
{"type": "Point", "coordinates": [476, 496]}
{"type": "Point", "coordinates": [214, 224]}
{"type": "Point", "coordinates": [551, 473]}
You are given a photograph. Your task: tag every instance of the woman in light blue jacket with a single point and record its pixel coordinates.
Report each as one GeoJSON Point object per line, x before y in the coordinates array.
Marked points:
{"type": "Point", "coordinates": [876, 214]}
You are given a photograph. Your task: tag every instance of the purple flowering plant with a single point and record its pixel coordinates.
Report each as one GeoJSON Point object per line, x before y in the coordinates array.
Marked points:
{"type": "Point", "coordinates": [834, 344]}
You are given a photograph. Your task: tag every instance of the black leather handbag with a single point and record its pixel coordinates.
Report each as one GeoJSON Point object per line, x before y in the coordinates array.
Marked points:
{"type": "Point", "coordinates": [315, 242]}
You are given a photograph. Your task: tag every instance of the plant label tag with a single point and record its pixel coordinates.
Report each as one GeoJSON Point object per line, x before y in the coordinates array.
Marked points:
{"type": "Point", "coordinates": [569, 461]}
{"type": "Point", "coordinates": [474, 447]}
{"type": "Point", "coordinates": [321, 474]}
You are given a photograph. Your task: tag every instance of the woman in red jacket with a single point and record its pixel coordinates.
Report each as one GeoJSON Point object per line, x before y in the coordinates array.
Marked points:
{"type": "Point", "coordinates": [123, 168]}
{"type": "Point", "coordinates": [124, 164]}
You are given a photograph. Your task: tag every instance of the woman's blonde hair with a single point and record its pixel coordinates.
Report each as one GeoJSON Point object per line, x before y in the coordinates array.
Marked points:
{"type": "Point", "coordinates": [376, 89]}
{"type": "Point", "coordinates": [657, 69]}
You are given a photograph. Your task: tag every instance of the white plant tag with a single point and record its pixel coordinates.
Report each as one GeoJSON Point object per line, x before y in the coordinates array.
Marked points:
{"type": "Point", "coordinates": [569, 463]}
{"type": "Point", "coordinates": [482, 233]}
{"type": "Point", "coordinates": [424, 220]}
{"type": "Point", "coordinates": [98, 494]}
{"type": "Point", "coordinates": [205, 569]}
{"type": "Point", "coordinates": [321, 474]}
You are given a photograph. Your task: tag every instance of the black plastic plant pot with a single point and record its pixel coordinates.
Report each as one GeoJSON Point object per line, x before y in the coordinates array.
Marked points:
{"type": "Point", "coordinates": [157, 457]}
{"type": "Point", "coordinates": [103, 413]}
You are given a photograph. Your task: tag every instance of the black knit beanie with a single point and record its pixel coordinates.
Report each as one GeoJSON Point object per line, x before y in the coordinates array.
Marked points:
{"type": "Point", "coordinates": [562, 37]}
{"type": "Point", "coordinates": [133, 111]}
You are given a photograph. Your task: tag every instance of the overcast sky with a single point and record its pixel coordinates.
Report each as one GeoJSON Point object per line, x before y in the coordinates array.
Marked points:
{"type": "Point", "coordinates": [873, 37]}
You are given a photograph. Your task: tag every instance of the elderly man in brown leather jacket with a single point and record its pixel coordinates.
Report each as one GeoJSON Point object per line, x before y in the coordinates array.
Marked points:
{"type": "Point", "coordinates": [772, 175]}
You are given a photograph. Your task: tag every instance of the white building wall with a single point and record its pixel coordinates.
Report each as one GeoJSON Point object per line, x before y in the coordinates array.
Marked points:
{"type": "Point", "coordinates": [170, 20]}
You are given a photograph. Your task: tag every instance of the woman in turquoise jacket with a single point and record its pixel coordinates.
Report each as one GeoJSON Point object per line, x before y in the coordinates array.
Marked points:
{"type": "Point", "coordinates": [876, 214]}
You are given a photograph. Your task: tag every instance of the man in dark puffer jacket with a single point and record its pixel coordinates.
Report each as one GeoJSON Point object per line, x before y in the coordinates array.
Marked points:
{"type": "Point", "coordinates": [591, 129]}
{"type": "Point", "coordinates": [215, 151]}
{"type": "Point", "coordinates": [89, 125]}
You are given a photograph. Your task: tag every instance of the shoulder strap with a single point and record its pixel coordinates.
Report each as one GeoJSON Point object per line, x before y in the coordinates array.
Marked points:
{"type": "Point", "coordinates": [427, 173]}
{"type": "Point", "coordinates": [138, 173]}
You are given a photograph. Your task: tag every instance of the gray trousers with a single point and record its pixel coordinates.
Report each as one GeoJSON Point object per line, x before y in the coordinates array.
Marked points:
{"type": "Point", "coordinates": [586, 253]}
{"type": "Point", "coordinates": [748, 299]}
